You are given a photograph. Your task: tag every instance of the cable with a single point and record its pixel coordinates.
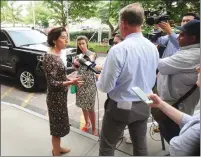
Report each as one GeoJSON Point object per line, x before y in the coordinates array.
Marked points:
{"type": "Point", "coordinates": [120, 142]}
{"type": "Point", "coordinates": [151, 133]}
{"type": "Point", "coordinates": [98, 108]}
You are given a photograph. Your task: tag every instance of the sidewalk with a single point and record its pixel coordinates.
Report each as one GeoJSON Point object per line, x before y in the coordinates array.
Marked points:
{"type": "Point", "coordinates": [26, 133]}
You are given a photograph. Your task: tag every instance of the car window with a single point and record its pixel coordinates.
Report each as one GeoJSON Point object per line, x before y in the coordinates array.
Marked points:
{"type": "Point", "coordinates": [4, 37]}
{"type": "Point", "coordinates": [26, 37]}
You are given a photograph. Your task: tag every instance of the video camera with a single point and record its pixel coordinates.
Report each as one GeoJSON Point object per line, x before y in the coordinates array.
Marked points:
{"type": "Point", "coordinates": [155, 17]}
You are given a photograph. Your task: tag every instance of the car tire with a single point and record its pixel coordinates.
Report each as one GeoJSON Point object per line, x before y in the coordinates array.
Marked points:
{"type": "Point", "coordinates": [27, 79]}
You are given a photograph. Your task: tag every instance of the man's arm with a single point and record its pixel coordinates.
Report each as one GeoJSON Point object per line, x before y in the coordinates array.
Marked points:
{"type": "Point", "coordinates": [178, 63]}
{"type": "Point", "coordinates": [166, 68]}
{"type": "Point", "coordinates": [110, 73]}
{"type": "Point", "coordinates": [173, 39]}
{"type": "Point", "coordinates": [162, 41]}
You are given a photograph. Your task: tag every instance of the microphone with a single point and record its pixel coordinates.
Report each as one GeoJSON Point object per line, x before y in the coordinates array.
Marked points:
{"type": "Point", "coordinates": [87, 63]}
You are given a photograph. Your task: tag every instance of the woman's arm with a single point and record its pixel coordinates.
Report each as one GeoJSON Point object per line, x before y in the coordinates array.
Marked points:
{"type": "Point", "coordinates": [170, 111]}
{"type": "Point", "coordinates": [92, 57]}
{"type": "Point", "coordinates": [51, 74]}
{"type": "Point", "coordinates": [75, 81]}
{"type": "Point", "coordinates": [187, 143]}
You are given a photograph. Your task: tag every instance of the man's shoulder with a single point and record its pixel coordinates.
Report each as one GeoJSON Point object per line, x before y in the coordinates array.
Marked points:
{"type": "Point", "coordinates": [188, 50]}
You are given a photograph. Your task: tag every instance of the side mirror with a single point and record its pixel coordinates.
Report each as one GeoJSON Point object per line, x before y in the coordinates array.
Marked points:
{"type": "Point", "coordinates": [5, 43]}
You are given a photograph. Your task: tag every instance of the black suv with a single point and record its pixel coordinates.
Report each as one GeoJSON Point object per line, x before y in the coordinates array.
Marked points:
{"type": "Point", "coordinates": [20, 49]}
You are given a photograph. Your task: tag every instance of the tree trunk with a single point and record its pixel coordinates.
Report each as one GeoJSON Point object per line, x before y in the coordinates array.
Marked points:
{"type": "Point", "coordinates": [63, 14]}
{"type": "Point", "coordinates": [111, 29]}
{"type": "Point", "coordinates": [116, 29]}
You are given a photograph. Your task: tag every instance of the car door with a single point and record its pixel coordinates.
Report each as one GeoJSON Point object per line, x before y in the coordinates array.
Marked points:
{"type": "Point", "coordinates": [5, 53]}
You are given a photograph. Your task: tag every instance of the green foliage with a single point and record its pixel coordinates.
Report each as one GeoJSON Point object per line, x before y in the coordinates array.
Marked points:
{"type": "Point", "coordinates": [11, 12]}
{"type": "Point", "coordinates": [109, 11]}
{"type": "Point", "coordinates": [77, 10]}
{"type": "Point", "coordinates": [88, 34]}
{"type": "Point", "coordinates": [58, 11]}
{"type": "Point", "coordinates": [82, 9]}
{"type": "Point", "coordinates": [4, 4]}
{"type": "Point", "coordinates": [42, 14]}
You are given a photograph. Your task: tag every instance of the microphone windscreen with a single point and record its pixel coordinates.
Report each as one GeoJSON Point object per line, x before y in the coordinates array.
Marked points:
{"type": "Point", "coordinates": [82, 61]}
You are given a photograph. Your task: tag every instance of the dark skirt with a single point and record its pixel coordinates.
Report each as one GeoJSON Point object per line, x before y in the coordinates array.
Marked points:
{"type": "Point", "coordinates": [58, 113]}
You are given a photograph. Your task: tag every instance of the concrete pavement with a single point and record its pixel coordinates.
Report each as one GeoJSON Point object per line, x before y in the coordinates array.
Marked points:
{"type": "Point", "coordinates": [26, 133]}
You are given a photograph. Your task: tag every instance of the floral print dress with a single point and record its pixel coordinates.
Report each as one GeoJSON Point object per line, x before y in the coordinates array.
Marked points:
{"type": "Point", "coordinates": [86, 93]}
{"type": "Point", "coordinates": [55, 72]}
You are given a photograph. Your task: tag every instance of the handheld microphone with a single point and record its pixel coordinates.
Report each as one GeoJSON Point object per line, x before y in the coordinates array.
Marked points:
{"type": "Point", "coordinates": [89, 64]}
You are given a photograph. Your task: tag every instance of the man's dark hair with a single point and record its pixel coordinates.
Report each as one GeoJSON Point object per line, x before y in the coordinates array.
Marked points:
{"type": "Point", "coordinates": [192, 14]}
{"type": "Point", "coordinates": [133, 14]}
{"type": "Point", "coordinates": [54, 35]}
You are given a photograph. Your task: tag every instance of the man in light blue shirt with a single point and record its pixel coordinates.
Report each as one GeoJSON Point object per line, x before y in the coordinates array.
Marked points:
{"type": "Point", "coordinates": [170, 40]}
{"type": "Point", "coordinates": [131, 63]}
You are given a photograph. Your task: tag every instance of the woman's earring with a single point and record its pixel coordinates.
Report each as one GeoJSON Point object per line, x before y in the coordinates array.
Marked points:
{"type": "Point", "coordinates": [54, 44]}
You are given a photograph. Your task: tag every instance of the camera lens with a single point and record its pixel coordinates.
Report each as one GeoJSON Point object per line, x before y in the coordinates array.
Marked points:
{"type": "Point", "coordinates": [150, 21]}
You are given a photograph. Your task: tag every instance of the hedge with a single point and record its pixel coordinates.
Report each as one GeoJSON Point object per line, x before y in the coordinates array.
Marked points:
{"type": "Point", "coordinates": [89, 34]}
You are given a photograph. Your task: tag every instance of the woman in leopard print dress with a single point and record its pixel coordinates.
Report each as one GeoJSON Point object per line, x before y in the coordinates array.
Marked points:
{"type": "Point", "coordinates": [86, 94]}
{"type": "Point", "coordinates": [57, 88]}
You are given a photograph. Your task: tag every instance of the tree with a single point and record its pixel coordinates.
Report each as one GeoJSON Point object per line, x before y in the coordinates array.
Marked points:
{"type": "Point", "coordinates": [42, 14]}
{"type": "Point", "coordinates": [12, 12]}
{"type": "Point", "coordinates": [4, 3]}
{"type": "Point", "coordinates": [108, 12]}
{"type": "Point", "coordinates": [4, 6]}
{"type": "Point", "coordinates": [77, 10]}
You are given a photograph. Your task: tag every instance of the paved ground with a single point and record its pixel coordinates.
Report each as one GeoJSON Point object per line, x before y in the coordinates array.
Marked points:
{"type": "Point", "coordinates": [10, 92]}
{"type": "Point", "coordinates": [26, 133]}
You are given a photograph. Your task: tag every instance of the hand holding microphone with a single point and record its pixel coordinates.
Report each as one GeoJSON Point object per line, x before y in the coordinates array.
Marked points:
{"type": "Point", "coordinates": [88, 63]}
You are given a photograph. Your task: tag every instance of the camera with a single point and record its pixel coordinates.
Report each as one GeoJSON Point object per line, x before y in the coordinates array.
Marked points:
{"type": "Point", "coordinates": [154, 36]}
{"type": "Point", "coordinates": [154, 17]}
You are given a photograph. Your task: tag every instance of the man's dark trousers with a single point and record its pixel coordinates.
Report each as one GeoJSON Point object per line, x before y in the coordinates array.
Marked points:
{"type": "Point", "coordinates": [114, 123]}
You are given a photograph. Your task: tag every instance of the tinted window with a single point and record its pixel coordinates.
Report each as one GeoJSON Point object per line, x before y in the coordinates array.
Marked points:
{"type": "Point", "coordinates": [4, 37]}
{"type": "Point", "coordinates": [24, 37]}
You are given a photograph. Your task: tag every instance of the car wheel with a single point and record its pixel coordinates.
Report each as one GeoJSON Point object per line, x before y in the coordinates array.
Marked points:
{"type": "Point", "coordinates": [27, 79]}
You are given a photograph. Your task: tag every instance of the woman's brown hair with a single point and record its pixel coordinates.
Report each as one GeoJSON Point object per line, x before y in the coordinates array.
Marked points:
{"type": "Point", "coordinates": [54, 34]}
{"type": "Point", "coordinates": [79, 51]}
